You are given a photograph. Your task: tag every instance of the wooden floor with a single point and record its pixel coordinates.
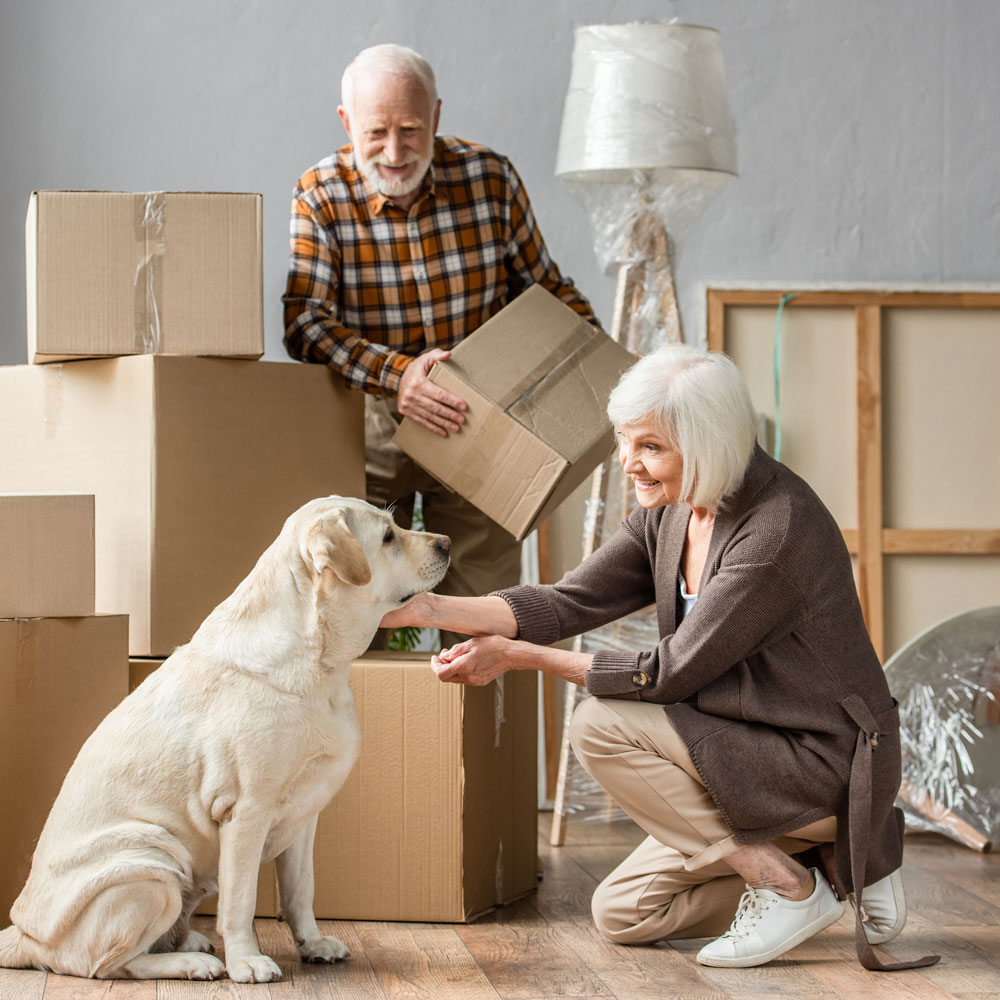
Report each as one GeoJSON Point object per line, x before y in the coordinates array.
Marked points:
{"type": "Point", "coordinates": [546, 946]}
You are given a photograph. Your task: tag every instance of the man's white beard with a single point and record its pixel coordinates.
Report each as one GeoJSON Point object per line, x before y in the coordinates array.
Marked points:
{"type": "Point", "coordinates": [391, 187]}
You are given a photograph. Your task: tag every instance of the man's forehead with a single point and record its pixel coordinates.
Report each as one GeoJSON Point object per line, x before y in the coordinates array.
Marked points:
{"type": "Point", "coordinates": [390, 93]}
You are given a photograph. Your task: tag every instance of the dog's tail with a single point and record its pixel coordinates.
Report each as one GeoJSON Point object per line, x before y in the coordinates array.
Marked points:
{"type": "Point", "coordinates": [13, 953]}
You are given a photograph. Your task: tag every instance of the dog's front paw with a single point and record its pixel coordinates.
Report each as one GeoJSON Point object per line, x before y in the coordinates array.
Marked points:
{"type": "Point", "coordinates": [255, 969]}
{"type": "Point", "coordinates": [196, 942]}
{"type": "Point", "coordinates": [323, 949]}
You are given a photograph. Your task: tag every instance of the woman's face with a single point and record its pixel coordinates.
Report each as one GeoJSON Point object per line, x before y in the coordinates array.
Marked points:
{"type": "Point", "coordinates": [654, 467]}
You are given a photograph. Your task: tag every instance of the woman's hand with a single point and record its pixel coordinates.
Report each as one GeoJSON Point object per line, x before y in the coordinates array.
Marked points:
{"type": "Point", "coordinates": [415, 611]}
{"type": "Point", "coordinates": [477, 661]}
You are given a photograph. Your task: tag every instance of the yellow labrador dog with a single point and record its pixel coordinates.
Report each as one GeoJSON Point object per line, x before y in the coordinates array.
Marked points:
{"type": "Point", "coordinates": [219, 761]}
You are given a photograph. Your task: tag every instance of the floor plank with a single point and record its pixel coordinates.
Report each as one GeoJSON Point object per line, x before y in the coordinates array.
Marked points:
{"type": "Point", "coordinates": [21, 984]}
{"type": "Point", "coordinates": [417, 961]}
{"type": "Point", "coordinates": [522, 955]}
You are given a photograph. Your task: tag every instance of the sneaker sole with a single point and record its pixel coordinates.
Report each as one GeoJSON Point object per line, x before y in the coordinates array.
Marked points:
{"type": "Point", "coordinates": [749, 961]}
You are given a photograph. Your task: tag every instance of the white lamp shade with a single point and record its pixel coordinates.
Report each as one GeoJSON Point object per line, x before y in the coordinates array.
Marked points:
{"type": "Point", "coordinates": [647, 99]}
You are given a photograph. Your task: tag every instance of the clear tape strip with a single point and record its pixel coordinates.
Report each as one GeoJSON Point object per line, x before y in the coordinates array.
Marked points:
{"type": "Point", "coordinates": [151, 238]}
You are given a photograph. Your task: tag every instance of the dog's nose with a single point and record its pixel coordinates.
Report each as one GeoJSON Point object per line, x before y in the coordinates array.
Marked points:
{"type": "Point", "coordinates": [443, 543]}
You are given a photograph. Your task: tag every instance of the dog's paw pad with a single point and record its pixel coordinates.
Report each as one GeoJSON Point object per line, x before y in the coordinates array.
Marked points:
{"type": "Point", "coordinates": [204, 967]}
{"type": "Point", "coordinates": [196, 942]}
{"type": "Point", "coordinates": [324, 949]}
{"type": "Point", "coordinates": [258, 969]}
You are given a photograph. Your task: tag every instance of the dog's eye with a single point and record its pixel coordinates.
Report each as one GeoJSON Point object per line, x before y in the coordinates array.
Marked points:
{"type": "Point", "coordinates": [390, 535]}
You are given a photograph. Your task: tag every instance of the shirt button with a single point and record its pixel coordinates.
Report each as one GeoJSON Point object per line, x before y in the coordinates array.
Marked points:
{"type": "Point", "coordinates": [640, 680]}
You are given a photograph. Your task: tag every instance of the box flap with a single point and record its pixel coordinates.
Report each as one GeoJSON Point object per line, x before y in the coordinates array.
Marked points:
{"type": "Point", "coordinates": [515, 348]}
{"type": "Point", "coordinates": [567, 408]}
{"type": "Point", "coordinates": [494, 462]}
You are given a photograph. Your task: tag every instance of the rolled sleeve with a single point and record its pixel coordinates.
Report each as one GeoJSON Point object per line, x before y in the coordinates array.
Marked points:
{"type": "Point", "coordinates": [536, 619]}
{"type": "Point", "coordinates": [614, 674]}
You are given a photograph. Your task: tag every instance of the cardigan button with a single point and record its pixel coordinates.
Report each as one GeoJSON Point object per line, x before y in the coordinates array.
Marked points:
{"type": "Point", "coordinates": [640, 680]}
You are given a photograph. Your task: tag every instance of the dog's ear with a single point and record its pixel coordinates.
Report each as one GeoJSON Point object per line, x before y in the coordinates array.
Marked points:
{"type": "Point", "coordinates": [331, 545]}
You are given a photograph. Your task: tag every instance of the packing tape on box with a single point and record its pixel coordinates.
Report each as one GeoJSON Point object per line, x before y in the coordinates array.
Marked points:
{"type": "Point", "coordinates": [151, 237]}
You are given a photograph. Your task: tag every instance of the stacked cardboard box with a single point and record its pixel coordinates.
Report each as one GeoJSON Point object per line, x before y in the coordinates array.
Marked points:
{"type": "Point", "coordinates": [165, 272]}
{"type": "Point", "coordinates": [62, 668]}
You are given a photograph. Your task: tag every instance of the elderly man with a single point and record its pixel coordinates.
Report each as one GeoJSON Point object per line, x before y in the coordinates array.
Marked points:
{"type": "Point", "coordinates": [402, 244]}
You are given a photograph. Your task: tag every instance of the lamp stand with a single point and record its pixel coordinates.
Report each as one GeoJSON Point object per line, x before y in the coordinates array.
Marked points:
{"type": "Point", "coordinates": [647, 256]}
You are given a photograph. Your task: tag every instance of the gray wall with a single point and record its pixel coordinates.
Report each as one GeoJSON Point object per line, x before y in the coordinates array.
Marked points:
{"type": "Point", "coordinates": [867, 130]}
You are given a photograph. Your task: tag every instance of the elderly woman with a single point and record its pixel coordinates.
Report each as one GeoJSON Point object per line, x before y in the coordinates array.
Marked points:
{"type": "Point", "coordinates": [759, 728]}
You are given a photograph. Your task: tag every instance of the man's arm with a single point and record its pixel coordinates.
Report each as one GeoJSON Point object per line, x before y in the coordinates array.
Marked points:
{"type": "Point", "coordinates": [314, 333]}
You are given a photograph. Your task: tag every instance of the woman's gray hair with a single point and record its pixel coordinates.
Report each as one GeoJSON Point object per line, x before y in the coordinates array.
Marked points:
{"type": "Point", "coordinates": [701, 404]}
{"type": "Point", "coordinates": [397, 60]}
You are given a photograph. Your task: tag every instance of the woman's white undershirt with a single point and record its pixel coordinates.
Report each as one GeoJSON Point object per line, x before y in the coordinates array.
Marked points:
{"type": "Point", "coordinates": [687, 600]}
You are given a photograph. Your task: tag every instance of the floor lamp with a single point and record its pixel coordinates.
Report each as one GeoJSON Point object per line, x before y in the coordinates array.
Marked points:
{"type": "Point", "coordinates": [647, 140]}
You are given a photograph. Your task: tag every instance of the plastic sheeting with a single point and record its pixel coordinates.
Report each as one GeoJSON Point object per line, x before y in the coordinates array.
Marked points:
{"type": "Point", "coordinates": [947, 683]}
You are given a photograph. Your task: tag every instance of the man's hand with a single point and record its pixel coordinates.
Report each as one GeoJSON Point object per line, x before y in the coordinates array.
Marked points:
{"type": "Point", "coordinates": [426, 403]}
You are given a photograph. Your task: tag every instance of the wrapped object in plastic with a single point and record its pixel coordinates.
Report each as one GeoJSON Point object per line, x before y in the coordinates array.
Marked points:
{"type": "Point", "coordinates": [947, 683]}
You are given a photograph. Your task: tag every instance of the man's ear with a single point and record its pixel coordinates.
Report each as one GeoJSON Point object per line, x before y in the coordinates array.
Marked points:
{"type": "Point", "coordinates": [437, 117]}
{"type": "Point", "coordinates": [330, 545]}
{"type": "Point", "coordinates": [346, 119]}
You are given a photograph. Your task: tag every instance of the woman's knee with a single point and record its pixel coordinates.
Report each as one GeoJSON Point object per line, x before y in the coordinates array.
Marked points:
{"type": "Point", "coordinates": [588, 729]}
{"type": "Point", "coordinates": [615, 918]}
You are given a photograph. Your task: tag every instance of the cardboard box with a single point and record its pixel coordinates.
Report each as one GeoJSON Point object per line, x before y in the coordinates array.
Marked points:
{"type": "Point", "coordinates": [536, 378]}
{"type": "Point", "coordinates": [194, 462]}
{"type": "Point", "coordinates": [140, 667]}
{"type": "Point", "coordinates": [46, 555]}
{"type": "Point", "coordinates": [59, 677]}
{"type": "Point", "coordinates": [166, 272]}
{"type": "Point", "coordinates": [438, 821]}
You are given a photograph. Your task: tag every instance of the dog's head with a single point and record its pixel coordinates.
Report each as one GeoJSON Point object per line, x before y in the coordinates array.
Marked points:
{"type": "Point", "coordinates": [347, 542]}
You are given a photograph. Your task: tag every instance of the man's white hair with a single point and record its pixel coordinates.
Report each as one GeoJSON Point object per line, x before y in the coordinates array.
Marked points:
{"type": "Point", "coordinates": [396, 60]}
{"type": "Point", "coordinates": [701, 404]}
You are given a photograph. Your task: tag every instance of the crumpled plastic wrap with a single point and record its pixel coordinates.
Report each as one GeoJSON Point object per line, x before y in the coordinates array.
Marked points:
{"type": "Point", "coordinates": [618, 213]}
{"type": "Point", "coordinates": [947, 683]}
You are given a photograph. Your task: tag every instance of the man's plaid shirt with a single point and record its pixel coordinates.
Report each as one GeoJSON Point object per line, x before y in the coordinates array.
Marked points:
{"type": "Point", "coordinates": [370, 286]}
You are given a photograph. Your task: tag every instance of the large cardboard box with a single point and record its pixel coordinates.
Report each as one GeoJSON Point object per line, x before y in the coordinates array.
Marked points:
{"type": "Point", "coordinates": [536, 378]}
{"type": "Point", "coordinates": [46, 555]}
{"type": "Point", "coordinates": [194, 462]}
{"type": "Point", "coordinates": [58, 678]}
{"type": "Point", "coordinates": [165, 272]}
{"type": "Point", "coordinates": [438, 820]}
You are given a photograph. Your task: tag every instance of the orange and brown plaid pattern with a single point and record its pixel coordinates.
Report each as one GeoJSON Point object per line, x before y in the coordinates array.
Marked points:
{"type": "Point", "coordinates": [370, 286]}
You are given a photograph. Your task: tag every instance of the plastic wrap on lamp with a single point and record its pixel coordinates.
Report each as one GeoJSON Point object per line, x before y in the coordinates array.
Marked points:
{"type": "Point", "coordinates": [648, 98]}
{"type": "Point", "coordinates": [613, 210]}
{"type": "Point", "coordinates": [947, 683]}
{"type": "Point", "coordinates": [646, 128]}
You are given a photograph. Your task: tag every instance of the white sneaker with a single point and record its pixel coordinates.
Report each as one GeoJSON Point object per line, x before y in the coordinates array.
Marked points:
{"type": "Point", "coordinates": [767, 925]}
{"type": "Point", "coordinates": [883, 908]}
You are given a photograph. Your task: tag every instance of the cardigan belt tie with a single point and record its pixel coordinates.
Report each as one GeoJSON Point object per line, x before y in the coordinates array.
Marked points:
{"type": "Point", "coordinates": [859, 822]}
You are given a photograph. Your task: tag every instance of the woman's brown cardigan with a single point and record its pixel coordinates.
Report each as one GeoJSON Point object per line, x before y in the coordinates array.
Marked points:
{"type": "Point", "coordinates": [771, 680]}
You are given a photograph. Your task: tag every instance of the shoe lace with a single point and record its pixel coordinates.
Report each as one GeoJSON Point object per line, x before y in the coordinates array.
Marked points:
{"type": "Point", "coordinates": [752, 907]}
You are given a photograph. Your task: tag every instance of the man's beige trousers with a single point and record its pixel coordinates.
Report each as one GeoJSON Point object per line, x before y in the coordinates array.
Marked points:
{"type": "Point", "coordinates": [676, 883]}
{"type": "Point", "coordinates": [484, 557]}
